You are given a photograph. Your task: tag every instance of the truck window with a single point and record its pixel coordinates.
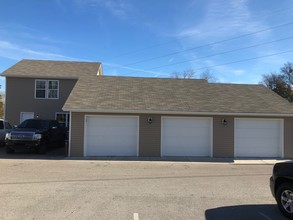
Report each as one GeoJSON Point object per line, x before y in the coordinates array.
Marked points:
{"type": "Point", "coordinates": [54, 124]}
{"type": "Point", "coordinates": [7, 125]}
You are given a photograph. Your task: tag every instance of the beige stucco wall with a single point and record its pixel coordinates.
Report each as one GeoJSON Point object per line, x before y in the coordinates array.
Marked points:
{"type": "Point", "coordinates": [150, 135]}
{"type": "Point", "coordinates": [20, 97]}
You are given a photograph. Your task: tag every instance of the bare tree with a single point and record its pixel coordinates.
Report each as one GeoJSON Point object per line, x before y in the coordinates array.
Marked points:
{"type": "Point", "coordinates": [186, 74]}
{"type": "Point", "coordinates": [209, 76]}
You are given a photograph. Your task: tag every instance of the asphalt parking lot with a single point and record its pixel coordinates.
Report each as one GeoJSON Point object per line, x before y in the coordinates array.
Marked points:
{"type": "Point", "coordinates": [52, 153]}
{"type": "Point", "coordinates": [89, 189]}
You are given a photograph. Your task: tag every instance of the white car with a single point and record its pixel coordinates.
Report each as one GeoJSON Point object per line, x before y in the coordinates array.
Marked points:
{"type": "Point", "coordinates": [4, 128]}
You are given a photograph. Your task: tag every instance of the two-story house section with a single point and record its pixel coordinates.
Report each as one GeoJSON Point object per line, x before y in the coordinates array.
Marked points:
{"type": "Point", "coordinates": [40, 88]}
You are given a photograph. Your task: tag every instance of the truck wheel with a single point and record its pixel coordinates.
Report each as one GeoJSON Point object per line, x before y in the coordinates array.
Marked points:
{"type": "Point", "coordinates": [284, 197]}
{"type": "Point", "coordinates": [43, 148]}
{"type": "Point", "coordinates": [9, 150]}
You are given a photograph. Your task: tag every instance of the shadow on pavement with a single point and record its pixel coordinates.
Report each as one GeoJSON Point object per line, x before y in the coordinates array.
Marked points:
{"type": "Point", "coordinates": [52, 153]}
{"type": "Point", "coordinates": [157, 159]}
{"type": "Point", "coordinates": [245, 212]}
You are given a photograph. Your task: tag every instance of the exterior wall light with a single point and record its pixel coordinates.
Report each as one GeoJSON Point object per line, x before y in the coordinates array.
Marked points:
{"type": "Point", "coordinates": [224, 122]}
{"type": "Point", "coordinates": [150, 120]}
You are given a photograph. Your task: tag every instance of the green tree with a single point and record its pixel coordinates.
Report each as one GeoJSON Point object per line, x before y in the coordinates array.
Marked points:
{"type": "Point", "coordinates": [281, 83]}
{"type": "Point", "coordinates": [287, 73]}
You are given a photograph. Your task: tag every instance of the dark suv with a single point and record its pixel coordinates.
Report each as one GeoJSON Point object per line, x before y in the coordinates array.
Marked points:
{"type": "Point", "coordinates": [281, 184]}
{"type": "Point", "coordinates": [35, 134]}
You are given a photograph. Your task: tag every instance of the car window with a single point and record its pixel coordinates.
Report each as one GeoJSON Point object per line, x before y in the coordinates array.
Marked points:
{"type": "Point", "coordinates": [1, 125]}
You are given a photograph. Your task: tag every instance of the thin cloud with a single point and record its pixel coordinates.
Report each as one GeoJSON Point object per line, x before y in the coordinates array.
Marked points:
{"type": "Point", "coordinates": [236, 19]}
{"type": "Point", "coordinates": [24, 33]}
{"type": "Point", "coordinates": [15, 52]}
{"type": "Point", "coordinates": [118, 8]}
{"type": "Point", "coordinates": [131, 69]}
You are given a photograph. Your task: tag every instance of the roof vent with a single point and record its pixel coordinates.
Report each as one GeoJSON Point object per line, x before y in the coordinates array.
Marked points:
{"type": "Point", "coordinates": [100, 71]}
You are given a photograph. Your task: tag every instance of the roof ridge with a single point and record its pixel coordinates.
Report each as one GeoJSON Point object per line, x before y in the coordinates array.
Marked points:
{"type": "Point", "coordinates": [61, 61]}
{"type": "Point", "coordinates": [155, 78]}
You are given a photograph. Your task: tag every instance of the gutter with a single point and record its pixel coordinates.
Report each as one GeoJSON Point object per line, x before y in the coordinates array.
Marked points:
{"type": "Point", "coordinates": [177, 112]}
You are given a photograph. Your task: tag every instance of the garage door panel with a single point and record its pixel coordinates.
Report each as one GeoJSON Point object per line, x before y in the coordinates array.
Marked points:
{"type": "Point", "coordinates": [261, 133]}
{"type": "Point", "coordinates": [186, 136]}
{"type": "Point", "coordinates": [258, 138]}
{"type": "Point", "coordinates": [193, 134]}
{"type": "Point", "coordinates": [185, 123]}
{"type": "Point", "coordinates": [111, 136]}
{"type": "Point", "coordinates": [182, 141]}
{"type": "Point", "coordinates": [243, 143]}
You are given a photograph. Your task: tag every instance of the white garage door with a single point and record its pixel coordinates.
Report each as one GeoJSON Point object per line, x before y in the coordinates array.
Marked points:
{"type": "Point", "coordinates": [111, 136]}
{"type": "Point", "coordinates": [258, 137]}
{"type": "Point", "coordinates": [186, 136]}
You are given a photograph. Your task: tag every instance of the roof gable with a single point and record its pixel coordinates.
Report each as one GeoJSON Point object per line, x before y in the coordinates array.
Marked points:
{"type": "Point", "coordinates": [53, 69]}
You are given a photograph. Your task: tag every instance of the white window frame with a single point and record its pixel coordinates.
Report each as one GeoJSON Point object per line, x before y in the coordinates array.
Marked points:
{"type": "Point", "coordinates": [67, 118]}
{"type": "Point", "coordinates": [46, 88]}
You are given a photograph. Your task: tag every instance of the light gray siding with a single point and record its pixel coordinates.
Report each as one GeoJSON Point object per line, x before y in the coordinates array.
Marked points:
{"type": "Point", "coordinates": [20, 97]}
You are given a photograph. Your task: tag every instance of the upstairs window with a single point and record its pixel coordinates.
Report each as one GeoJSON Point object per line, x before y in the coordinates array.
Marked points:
{"type": "Point", "coordinates": [41, 89]}
{"type": "Point", "coordinates": [47, 89]}
{"type": "Point", "coordinates": [53, 87]}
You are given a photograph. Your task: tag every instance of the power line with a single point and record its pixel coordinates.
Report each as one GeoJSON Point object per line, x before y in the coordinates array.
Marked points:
{"type": "Point", "coordinates": [237, 61]}
{"type": "Point", "coordinates": [221, 53]}
{"type": "Point", "coordinates": [248, 59]}
{"type": "Point", "coordinates": [183, 37]}
{"type": "Point", "coordinates": [209, 44]}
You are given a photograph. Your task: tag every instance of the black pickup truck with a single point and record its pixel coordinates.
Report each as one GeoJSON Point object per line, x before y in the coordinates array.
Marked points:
{"type": "Point", "coordinates": [281, 184]}
{"type": "Point", "coordinates": [35, 134]}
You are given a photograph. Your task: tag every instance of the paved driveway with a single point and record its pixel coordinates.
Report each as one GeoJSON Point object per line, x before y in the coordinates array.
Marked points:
{"type": "Point", "coordinates": [78, 189]}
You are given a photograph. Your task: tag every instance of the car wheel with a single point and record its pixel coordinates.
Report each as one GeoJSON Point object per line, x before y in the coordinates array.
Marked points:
{"type": "Point", "coordinates": [284, 199]}
{"type": "Point", "coordinates": [43, 148]}
{"type": "Point", "coordinates": [9, 150]}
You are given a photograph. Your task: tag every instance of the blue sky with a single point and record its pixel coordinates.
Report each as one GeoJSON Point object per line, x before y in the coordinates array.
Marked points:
{"type": "Point", "coordinates": [152, 38]}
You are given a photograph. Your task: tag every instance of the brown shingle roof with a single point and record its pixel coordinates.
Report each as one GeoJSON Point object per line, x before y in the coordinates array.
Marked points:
{"type": "Point", "coordinates": [130, 94]}
{"type": "Point", "coordinates": [48, 68]}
